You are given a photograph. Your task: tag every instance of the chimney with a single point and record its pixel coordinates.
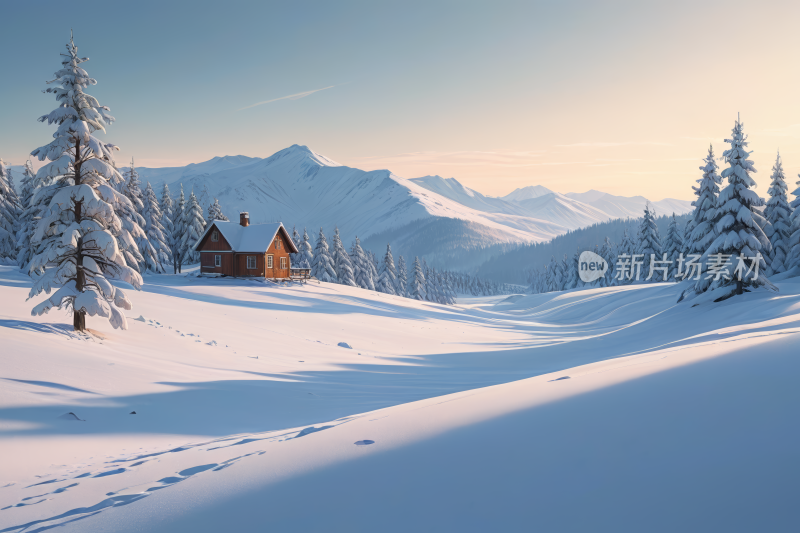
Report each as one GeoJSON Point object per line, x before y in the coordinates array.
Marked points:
{"type": "Point", "coordinates": [244, 219]}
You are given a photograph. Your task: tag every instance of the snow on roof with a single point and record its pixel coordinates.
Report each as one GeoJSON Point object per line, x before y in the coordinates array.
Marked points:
{"type": "Point", "coordinates": [254, 238]}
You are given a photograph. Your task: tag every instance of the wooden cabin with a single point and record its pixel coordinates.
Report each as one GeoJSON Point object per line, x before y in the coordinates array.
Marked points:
{"type": "Point", "coordinates": [242, 250]}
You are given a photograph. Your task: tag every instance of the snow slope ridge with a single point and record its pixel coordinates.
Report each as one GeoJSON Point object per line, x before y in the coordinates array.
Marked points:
{"type": "Point", "coordinates": [643, 414]}
{"type": "Point", "coordinates": [526, 193]}
{"type": "Point", "coordinates": [630, 207]}
{"type": "Point", "coordinates": [451, 188]}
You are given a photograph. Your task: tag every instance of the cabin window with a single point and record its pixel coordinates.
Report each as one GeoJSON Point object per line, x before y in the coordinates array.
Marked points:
{"type": "Point", "coordinates": [217, 260]}
{"type": "Point", "coordinates": [269, 261]}
{"type": "Point", "coordinates": [251, 262]}
{"type": "Point", "coordinates": [283, 263]}
{"type": "Point", "coordinates": [215, 236]}
{"type": "Point", "coordinates": [277, 244]}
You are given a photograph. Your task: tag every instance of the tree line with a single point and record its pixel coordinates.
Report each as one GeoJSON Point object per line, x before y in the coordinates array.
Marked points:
{"type": "Point", "coordinates": [733, 242]}
{"type": "Point", "coordinates": [360, 268]}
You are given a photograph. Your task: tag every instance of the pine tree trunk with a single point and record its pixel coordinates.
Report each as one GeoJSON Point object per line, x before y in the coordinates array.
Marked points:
{"type": "Point", "coordinates": [79, 321]}
{"type": "Point", "coordinates": [78, 317]}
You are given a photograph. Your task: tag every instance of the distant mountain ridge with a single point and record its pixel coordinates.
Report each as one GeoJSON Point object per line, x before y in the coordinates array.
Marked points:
{"type": "Point", "coordinates": [433, 217]}
{"type": "Point", "coordinates": [571, 210]}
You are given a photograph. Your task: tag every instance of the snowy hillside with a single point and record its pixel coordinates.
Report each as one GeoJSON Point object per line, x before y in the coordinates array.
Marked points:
{"type": "Point", "coordinates": [497, 414]}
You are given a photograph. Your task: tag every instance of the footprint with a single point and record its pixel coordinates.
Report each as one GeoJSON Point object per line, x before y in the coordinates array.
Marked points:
{"type": "Point", "coordinates": [364, 442]}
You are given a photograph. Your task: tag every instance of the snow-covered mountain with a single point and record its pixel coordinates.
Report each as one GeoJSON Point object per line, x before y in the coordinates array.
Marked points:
{"type": "Point", "coordinates": [526, 193]}
{"type": "Point", "coordinates": [624, 207]}
{"type": "Point", "coordinates": [451, 188]}
{"type": "Point", "coordinates": [300, 187]}
{"type": "Point", "coordinates": [429, 216]}
{"type": "Point", "coordinates": [571, 210]}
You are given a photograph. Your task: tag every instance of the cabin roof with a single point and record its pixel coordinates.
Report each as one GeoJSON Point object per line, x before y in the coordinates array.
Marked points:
{"type": "Point", "coordinates": [253, 238]}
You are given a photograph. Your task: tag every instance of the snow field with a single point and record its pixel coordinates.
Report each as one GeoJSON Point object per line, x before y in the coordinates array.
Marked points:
{"type": "Point", "coordinates": [672, 417]}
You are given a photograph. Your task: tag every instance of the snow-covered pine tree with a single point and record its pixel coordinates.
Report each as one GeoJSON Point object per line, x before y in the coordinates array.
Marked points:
{"type": "Point", "coordinates": [29, 215]}
{"type": "Point", "coordinates": [76, 238]}
{"type": "Point", "coordinates": [794, 240]}
{"type": "Point", "coordinates": [551, 275]}
{"type": "Point", "coordinates": [627, 246]}
{"type": "Point", "coordinates": [178, 231]}
{"type": "Point", "coordinates": [133, 188]}
{"type": "Point", "coordinates": [372, 262]}
{"type": "Point", "coordinates": [295, 258]}
{"type": "Point", "coordinates": [306, 252]}
{"type": "Point", "coordinates": [215, 212]}
{"type": "Point", "coordinates": [565, 270]}
{"type": "Point", "coordinates": [778, 214]}
{"type": "Point", "coordinates": [738, 226]}
{"type": "Point", "coordinates": [194, 225]}
{"type": "Point", "coordinates": [401, 288]}
{"type": "Point", "coordinates": [344, 266]}
{"type": "Point", "coordinates": [361, 270]}
{"type": "Point", "coordinates": [147, 252]}
{"type": "Point", "coordinates": [430, 289]}
{"type": "Point", "coordinates": [167, 221]}
{"type": "Point", "coordinates": [156, 234]}
{"type": "Point", "coordinates": [387, 276]}
{"type": "Point", "coordinates": [649, 244]}
{"type": "Point", "coordinates": [705, 207]}
{"type": "Point", "coordinates": [9, 217]}
{"type": "Point", "coordinates": [323, 268]}
{"type": "Point", "coordinates": [673, 245]}
{"type": "Point", "coordinates": [416, 289]}
{"type": "Point", "coordinates": [573, 272]}
{"type": "Point", "coordinates": [609, 253]}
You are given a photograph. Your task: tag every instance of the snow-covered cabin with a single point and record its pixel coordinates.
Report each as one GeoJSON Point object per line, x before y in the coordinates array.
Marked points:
{"type": "Point", "coordinates": [243, 250]}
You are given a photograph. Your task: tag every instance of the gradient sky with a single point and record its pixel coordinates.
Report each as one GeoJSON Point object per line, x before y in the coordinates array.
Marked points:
{"type": "Point", "coordinates": [622, 97]}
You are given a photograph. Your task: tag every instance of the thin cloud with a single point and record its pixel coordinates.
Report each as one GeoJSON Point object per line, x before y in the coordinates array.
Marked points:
{"type": "Point", "coordinates": [290, 97]}
{"type": "Point", "coordinates": [611, 144]}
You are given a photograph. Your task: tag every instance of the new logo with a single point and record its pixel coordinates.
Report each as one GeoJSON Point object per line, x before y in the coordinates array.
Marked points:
{"type": "Point", "coordinates": [591, 267]}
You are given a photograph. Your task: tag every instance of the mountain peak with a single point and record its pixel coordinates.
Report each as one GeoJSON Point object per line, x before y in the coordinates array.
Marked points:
{"type": "Point", "coordinates": [302, 152]}
{"type": "Point", "coordinates": [526, 193]}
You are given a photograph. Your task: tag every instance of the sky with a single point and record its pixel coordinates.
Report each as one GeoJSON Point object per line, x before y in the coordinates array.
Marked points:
{"type": "Point", "coordinates": [623, 97]}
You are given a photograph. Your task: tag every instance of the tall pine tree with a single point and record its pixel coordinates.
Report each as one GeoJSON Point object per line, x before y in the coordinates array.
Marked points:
{"type": "Point", "coordinates": [361, 270]}
{"type": "Point", "coordinates": [778, 214]}
{"type": "Point", "coordinates": [705, 207]}
{"type": "Point", "coordinates": [305, 257]}
{"type": "Point", "coordinates": [76, 238]}
{"type": "Point", "coordinates": [341, 260]}
{"type": "Point", "coordinates": [416, 289]}
{"type": "Point", "coordinates": [156, 234]}
{"type": "Point", "coordinates": [738, 225]}
{"type": "Point", "coordinates": [178, 231]}
{"type": "Point", "coordinates": [167, 220]}
{"type": "Point", "coordinates": [323, 268]}
{"type": "Point", "coordinates": [9, 217]}
{"type": "Point", "coordinates": [401, 288]}
{"type": "Point", "coordinates": [194, 225]}
{"type": "Point", "coordinates": [387, 277]}
{"type": "Point", "coordinates": [673, 245]}
{"type": "Point", "coordinates": [28, 217]}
